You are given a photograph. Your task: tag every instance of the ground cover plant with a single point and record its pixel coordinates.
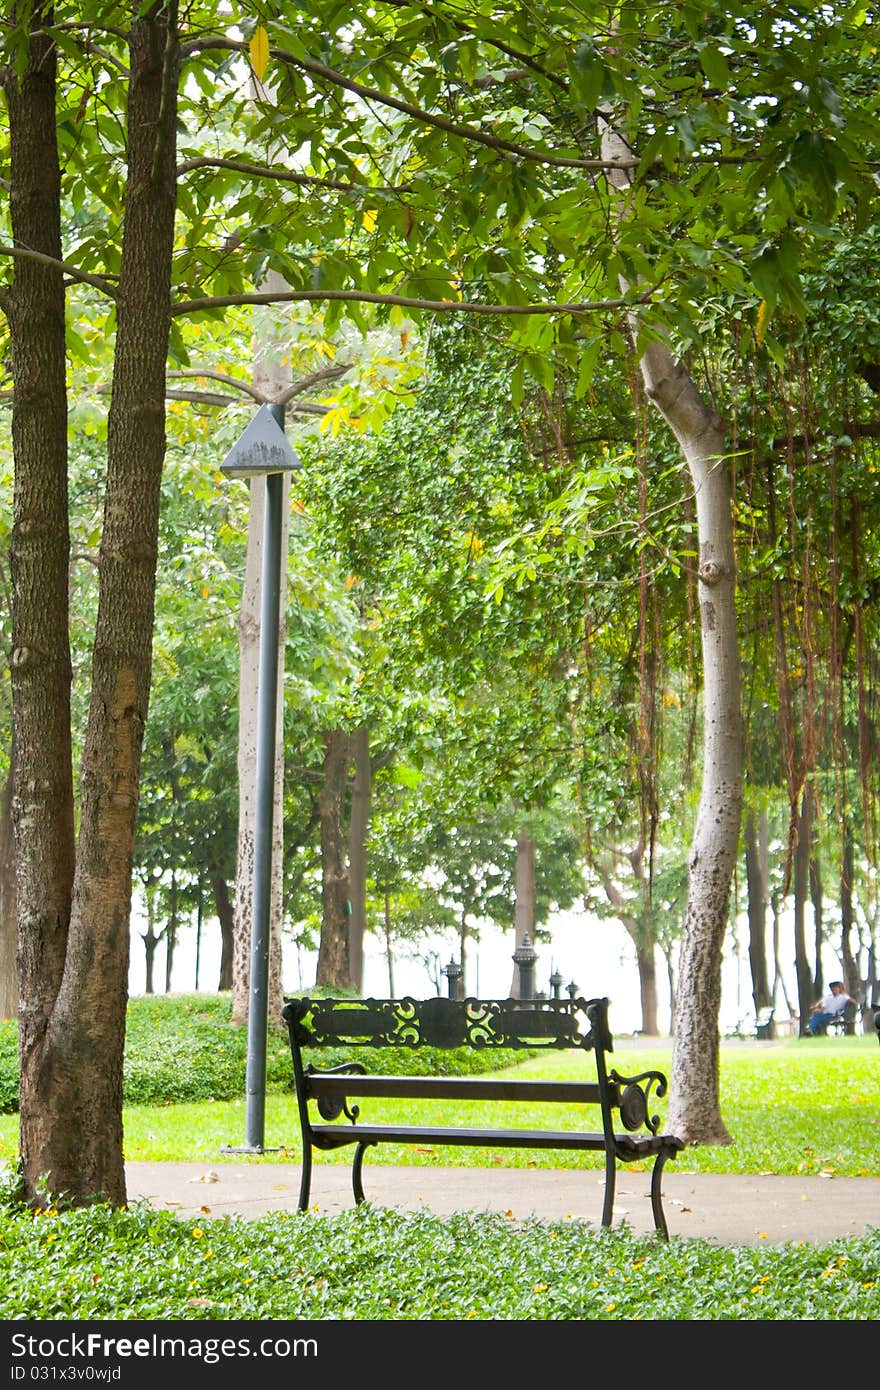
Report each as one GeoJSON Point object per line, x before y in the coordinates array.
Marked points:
{"type": "Point", "coordinates": [101, 1263]}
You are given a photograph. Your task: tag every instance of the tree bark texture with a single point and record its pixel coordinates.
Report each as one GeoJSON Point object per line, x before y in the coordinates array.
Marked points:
{"type": "Point", "coordinates": [270, 377]}
{"type": "Point", "coordinates": [694, 1111]}
{"type": "Point", "coordinates": [226, 917]}
{"type": "Point", "coordinates": [42, 805]}
{"type": "Point", "coordinates": [71, 1082]}
{"type": "Point", "coordinates": [8, 908]}
{"type": "Point", "coordinates": [334, 968]}
{"type": "Point", "coordinates": [801, 884]}
{"type": "Point", "coordinates": [249, 665]}
{"type": "Point", "coordinates": [755, 834]}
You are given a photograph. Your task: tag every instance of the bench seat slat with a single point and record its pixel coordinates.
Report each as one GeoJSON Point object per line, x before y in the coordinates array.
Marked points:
{"type": "Point", "coordinates": [455, 1088]}
{"type": "Point", "coordinates": [334, 1136]}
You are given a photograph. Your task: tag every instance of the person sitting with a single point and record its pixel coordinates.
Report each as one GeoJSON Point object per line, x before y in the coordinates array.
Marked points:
{"type": "Point", "coordinates": [826, 1009]}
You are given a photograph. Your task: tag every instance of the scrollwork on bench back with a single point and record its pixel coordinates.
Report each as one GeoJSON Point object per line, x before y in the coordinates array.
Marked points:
{"type": "Point", "coordinates": [635, 1098]}
{"type": "Point", "coordinates": [551, 1023]}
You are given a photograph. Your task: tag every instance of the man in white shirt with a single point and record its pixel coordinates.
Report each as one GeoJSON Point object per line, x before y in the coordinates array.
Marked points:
{"type": "Point", "coordinates": [828, 1008]}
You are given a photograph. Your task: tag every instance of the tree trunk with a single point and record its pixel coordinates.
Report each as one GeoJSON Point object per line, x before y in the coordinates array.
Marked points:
{"type": "Point", "coordinates": [694, 1111]}
{"type": "Point", "coordinates": [757, 881]}
{"type": "Point", "coordinates": [818, 922]}
{"type": "Point", "coordinates": [359, 824]}
{"type": "Point", "coordinates": [389, 946]}
{"type": "Point", "coordinates": [270, 377]}
{"type": "Point", "coordinates": [801, 883]}
{"type": "Point", "coordinates": [170, 932]}
{"type": "Point", "coordinates": [225, 916]}
{"type": "Point", "coordinates": [334, 969]}
{"type": "Point", "coordinates": [73, 1038]}
{"type": "Point", "coordinates": [524, 908]}
{"type": "Point", "coordinates": [151, 940]}
{"type": "Point", "coordinates": [8, 907]}
{"type": "Point", "coordinates": [647, 987]}
{"type": "Point", "coordinates": [42, 807]}
{"type": "Point", "coordinates": [852, 978]}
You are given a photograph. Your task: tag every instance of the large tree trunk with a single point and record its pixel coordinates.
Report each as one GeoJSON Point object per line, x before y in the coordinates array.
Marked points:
{"type": "Point", "coordinates": [755, 835]}
{"type": "Point", "coordinates": [694, 1111]}
{"type": "Point", "coordinates": [42, 808]}
{"type": "Point", "coordinates": [359, 823]}
{"type": "Point", "coordinates": [334, 969]}
{"type": "Point", "coordinates": [76, 988]}
{"type": "Point", "coordinates": [524, 907]}
{"type": "Point", "coordinates": [270, 378]}
{"type": "Point", "coordinates": [8, 908]}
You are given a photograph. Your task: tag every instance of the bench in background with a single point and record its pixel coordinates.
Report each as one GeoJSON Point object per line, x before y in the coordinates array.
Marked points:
{"type": "Point", "coordinates": [626, 1131]}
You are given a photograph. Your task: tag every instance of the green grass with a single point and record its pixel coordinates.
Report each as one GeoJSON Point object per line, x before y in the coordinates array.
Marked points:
{"type": "Point", "coordinates": [792, 1107]}
{"type": "Point", "coordinates": [381, 1265]}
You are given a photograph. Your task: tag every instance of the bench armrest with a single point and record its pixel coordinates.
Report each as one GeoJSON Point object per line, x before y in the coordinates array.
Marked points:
{"type": "Point", "coordinates": [636, 1097]}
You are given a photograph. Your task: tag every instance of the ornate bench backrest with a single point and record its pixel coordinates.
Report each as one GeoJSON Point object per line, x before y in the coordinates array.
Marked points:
{"type": "Point", "coordinates": [508, 1023]}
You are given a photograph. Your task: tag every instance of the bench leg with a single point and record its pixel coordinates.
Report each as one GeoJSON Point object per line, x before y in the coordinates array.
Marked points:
{"type": "Point", "coordinates": [656, 1200]}
{"type": "Point", "coordinates": [356, 1167]}
{"type": "Point", "coordinates": [610, 1180]}
{"type": "Point", "coordinates": [306, 1179]}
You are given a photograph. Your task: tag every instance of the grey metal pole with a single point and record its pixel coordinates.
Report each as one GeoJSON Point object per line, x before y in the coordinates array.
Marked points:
{"type": "Point", "coordinates": [267, 709]}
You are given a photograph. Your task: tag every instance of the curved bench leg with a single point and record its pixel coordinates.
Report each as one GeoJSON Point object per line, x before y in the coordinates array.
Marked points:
{"type": "Point", "coordinates": [306, 1179]}
{"type": "Point", "coordinates": [356, 1167]}
{"type": "Point", "coordinates": [610, 1180]}
{"type": "Point", "coordinates": [656, 1200]}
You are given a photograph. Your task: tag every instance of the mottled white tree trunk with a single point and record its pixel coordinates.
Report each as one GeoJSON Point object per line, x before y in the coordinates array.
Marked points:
{"type": "Point", "coordinates": [270, 378]}
{"type": "Point", "coordinates": [694, 1111]}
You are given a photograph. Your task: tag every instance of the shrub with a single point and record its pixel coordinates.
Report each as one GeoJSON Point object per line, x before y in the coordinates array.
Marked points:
{"type": "Point", "coordinates": [183, 1048]}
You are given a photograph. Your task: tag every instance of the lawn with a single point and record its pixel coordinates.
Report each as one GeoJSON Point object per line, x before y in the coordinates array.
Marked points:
{"type": "Point", "coordinates": [792, 1107]}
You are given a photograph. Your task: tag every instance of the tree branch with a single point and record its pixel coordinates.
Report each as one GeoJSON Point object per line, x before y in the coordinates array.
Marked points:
{"type": "Point", "coordinates": [437, 306]}
{"type": "Point", "coordinates": [224, 378]}
{"type": "Point", "coordinates": [408, 108]}
{"type": "Point", "coordinates": [266, 171]}
{"type": "Point", "coordinates": [97, 281]}
{"type": "Point", "coordinates": [299, 388]}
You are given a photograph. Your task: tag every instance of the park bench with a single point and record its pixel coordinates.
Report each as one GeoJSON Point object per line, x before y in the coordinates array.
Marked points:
{"type": "Point", "coordinates": [626, 1131]}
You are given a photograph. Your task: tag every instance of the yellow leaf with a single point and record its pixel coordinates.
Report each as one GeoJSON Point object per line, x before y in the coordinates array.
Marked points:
{"type": "Point", "coordinates": [259, 52]}
{"type": "Point", "coordinates": [369, 219]}
{"type": "Point", "coordinates": [762, 321]}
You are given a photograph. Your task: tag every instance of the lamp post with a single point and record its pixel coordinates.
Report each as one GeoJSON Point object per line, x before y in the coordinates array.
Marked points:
{"type": "Point", "coordinates": [524, 958]}
{"type": "Point", "coordinates": [453, 973]}
{"type": "Point", "coordinates": [263, 451]}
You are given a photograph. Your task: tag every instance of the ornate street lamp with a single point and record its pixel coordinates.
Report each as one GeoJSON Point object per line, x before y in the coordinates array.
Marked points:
{"type": "Point", "coordinates": [524, 958]}
{"type": "Point", "coordinates": [453, 973]}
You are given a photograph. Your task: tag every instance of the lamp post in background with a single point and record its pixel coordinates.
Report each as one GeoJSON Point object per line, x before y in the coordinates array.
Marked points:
{"type": "Point", "coordinates": [263, 451]}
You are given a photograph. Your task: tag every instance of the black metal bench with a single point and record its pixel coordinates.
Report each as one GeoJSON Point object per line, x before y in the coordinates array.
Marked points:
{"type": "Point", "coordinates": [580, 1024]}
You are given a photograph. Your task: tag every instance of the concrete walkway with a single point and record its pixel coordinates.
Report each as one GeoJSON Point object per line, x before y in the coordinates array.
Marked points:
{"type": "Point", "coordinates": [722, 1208]}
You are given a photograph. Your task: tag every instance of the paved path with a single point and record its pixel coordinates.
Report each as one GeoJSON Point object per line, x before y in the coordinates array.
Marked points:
{"type": "Point", "coordinates": [722, 1208]}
